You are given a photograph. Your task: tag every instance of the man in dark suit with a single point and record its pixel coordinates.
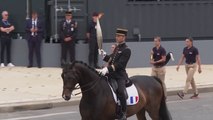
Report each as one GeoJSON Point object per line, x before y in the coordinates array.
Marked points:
{"type": "Point", "coordinates": [67, 34]}
{"type": "Point", "coordinates": [34, 36]}
{"type": "Point", "coordinates": [116, 68]}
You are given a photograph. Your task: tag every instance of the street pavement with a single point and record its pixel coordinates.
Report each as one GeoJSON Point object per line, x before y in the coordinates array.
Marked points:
{"type": "Point", "coordinates": [187, 109]}
{"type": "Point", "coordinates": [24, 88]}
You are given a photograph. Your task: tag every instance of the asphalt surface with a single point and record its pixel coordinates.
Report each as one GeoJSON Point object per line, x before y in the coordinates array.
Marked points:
{"type": "Point", "coordinates": [187, 109]}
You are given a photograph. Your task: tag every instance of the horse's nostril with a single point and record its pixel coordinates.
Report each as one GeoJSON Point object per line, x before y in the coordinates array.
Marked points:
{"type": "Point", "coordinates": [67, 98]}
{"type": "Point", "coordinates": [63, 96]}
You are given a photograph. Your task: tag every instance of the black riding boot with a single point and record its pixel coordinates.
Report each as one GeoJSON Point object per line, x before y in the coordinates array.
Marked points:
{"type": "Point", "coordinates": [122, 113]}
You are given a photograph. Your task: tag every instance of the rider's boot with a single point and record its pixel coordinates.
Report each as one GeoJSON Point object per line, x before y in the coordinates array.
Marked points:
{"type": "Point", "coordinates": [123, 108]}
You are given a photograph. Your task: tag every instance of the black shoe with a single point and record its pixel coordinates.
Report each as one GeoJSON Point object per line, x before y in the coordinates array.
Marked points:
{"type": "Point", "coordinates": [194, 96]}
{"type": "Point", "coordinates": [29, 66]}
{"type": "Point", "coordinates": [39, 67]}
{"type": "Point", "coordinates": [180, 94]}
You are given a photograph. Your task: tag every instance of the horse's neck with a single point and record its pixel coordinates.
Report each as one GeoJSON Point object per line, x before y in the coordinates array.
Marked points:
{"type": "Point", "coordinates": [90, 82]}
{"type": "Point", "coordinates": [93, 82]}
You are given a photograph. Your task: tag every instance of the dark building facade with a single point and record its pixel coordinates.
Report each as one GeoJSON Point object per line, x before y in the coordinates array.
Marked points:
{"type": "Point", "coordinates": [171, 19]}
{"type": "Point", "coordinates": [166, 18]}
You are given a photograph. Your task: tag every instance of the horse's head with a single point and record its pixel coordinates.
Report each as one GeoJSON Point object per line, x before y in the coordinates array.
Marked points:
{"type": "Point", "coordinates": [70, 78]}
{"type": "Point", "coordinates": [77, 72]}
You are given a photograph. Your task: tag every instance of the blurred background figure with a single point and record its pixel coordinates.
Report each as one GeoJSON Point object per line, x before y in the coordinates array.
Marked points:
{"type": "Point", "coordinates": [34, 36]}
{"type": "Point", "coordinates": [92, 39]}
{"type": "Point", "coordinates": [158, 59]}
{"type": "Point", "coordinates": [5, 29]}
{"type": "Point", "coordinates": [68, 34]}
{"type": "Point", "coordinates": [192, 60]}
{"type": "Point", "coordinates": [112, 49]}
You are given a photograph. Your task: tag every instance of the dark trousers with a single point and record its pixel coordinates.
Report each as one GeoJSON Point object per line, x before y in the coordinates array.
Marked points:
{"type": "Point", "coordinates": [65, 48]}
{"type": "Point", "coordinates": [93, 53]}
{"type": "Point", "coordinates": [6, 44]}
{"type": "Point", "coordinates": [121, 93]}
{"type": "Point", "coordinates": [34, 45]}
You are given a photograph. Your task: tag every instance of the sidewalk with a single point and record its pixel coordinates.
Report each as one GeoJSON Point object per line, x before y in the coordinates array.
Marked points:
{"type": "Point", "coordinates": [24, 88]}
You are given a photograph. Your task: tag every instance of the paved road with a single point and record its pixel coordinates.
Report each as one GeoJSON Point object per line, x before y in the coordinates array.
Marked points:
{"type": "Point", "coordinates": [187, 109]}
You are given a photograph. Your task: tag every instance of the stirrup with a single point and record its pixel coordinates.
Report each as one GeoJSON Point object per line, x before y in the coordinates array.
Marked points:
{"type": "Point", "coordinates": [122, 116]}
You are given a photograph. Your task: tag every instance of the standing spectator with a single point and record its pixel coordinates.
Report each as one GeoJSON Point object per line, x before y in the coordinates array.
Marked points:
{"type": "Point", "coordinates": [191, 54]}
{"type": "Point", "coordinates": [158, 59]}
{"type": "Point", "coordinates": [68, 34]}
{"type": "Point", "coordinates": [92, 39]}
{"type": "Point", "coordinates": [34, 35]}
{"type": "Point", "coordinates": [5, 29]}
{"type": "Point", "coordinates": [113, 46]}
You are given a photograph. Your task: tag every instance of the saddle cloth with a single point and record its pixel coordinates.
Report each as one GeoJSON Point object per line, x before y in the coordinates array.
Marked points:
{"type": "Point", "coordinates": [132, 93]}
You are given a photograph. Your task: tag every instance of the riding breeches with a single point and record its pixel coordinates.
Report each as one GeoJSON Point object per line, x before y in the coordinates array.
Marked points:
{"type": "Point", "coordinates": [121, 93]}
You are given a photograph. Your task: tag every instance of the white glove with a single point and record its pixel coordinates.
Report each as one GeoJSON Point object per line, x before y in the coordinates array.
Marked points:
{"type": "Point", "coordinates": [104, 71]}
{"type": "Point", "coordinates": [172, 57]}
{"type": "Point", "coordinates": [102, 52]}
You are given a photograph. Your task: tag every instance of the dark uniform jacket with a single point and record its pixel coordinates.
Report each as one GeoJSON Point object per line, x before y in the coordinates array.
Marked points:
{"type": "Point", "coordinates": [40, 27]}
{"type": "Point", "coordinates": [118, 61]}
{"type": "Point", "coordinates": [68, 30]}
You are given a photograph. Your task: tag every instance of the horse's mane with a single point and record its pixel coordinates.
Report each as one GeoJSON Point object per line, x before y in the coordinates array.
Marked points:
{"type": "Point", "coordinates": [86, 65]}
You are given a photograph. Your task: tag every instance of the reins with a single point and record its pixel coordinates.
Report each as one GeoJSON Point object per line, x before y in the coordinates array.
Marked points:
{"type": "Point", "coordinates": [93, 83]}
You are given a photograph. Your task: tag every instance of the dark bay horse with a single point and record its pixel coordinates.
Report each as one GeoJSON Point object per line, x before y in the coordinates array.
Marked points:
{"type": "Point", "coordinates": [97, 101]}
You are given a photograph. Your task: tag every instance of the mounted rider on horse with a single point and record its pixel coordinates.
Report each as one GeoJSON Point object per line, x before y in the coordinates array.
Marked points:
{"type": "Point", "coordinates": [116, 68]}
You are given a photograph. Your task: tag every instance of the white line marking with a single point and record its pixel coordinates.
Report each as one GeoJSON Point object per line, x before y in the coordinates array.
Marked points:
{"type": "Point", "coordinates": [40, 116]}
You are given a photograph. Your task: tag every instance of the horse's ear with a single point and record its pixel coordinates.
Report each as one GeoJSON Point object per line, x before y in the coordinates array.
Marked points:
{"type": "Point", "coordinates": [63, 64]}
{"type": "Point", "coordinates": [66, 65]}
{"type": "Point", "coordinates": [70, 64]}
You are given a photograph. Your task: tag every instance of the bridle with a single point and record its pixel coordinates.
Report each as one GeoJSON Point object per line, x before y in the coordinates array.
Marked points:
{"type": "Point", "coordinates": [91, 85]}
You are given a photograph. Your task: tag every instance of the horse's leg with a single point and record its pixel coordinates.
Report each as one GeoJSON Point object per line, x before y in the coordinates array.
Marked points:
{"type": "Point", "coordinates": [154, 112]}
{"type": "Point", "coordinates": [141, 114]}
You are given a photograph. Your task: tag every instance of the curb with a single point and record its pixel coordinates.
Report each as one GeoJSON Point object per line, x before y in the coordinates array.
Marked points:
{"type": "Point", "coordinates": [37, 105]}
{"type": "Point", "coordinates": [47, 104]}
{"type": "Point", "coordinates": [201, 89]}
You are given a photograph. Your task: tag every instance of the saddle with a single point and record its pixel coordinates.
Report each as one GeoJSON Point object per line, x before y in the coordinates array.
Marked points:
{"type": "Point", "coordinates": [114, 84]}
{"type": "Point", "coordinates": [131, 92]}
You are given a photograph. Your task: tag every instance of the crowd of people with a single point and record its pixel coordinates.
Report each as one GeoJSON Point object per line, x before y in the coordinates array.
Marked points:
{"type": "Point", "coordinates": [34, 30]}
{"type": "Point", "coordinates": [34, 35]}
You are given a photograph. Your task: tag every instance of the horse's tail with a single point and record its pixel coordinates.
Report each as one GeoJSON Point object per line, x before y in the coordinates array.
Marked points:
{"type": "Point", "coordinates": [163, 112]}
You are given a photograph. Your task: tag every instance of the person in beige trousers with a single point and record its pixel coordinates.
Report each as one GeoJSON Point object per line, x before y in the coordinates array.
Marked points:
{"type": "Point", "coordinates": [158, 59]}
{"type": "Point", "coordinates": [192, 59]}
